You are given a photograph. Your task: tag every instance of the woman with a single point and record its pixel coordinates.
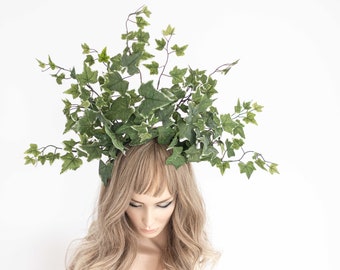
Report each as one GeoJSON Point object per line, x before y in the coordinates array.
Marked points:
{"type": "Point", "coordinates": [150, 216]}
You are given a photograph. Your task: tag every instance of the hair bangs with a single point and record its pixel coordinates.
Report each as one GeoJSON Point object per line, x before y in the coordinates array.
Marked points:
{"type": "Point", "coordinates": [152, 175]}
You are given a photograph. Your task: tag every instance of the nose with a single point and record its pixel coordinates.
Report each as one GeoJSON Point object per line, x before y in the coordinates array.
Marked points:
{"type": "Point", "coordinates": [148, 218]}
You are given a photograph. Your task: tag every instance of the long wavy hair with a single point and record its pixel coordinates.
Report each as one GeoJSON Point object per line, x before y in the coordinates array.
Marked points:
{"type": "Point", "coordinates": [111, 242]}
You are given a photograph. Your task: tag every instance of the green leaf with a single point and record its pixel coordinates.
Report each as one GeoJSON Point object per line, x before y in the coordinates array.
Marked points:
{"type": "Point", "coordinates": [160, 44]}
{"type": "Point", "coordinates": [223, 166]}
{"type": "Point", "coordinates": [103, 57]}
{"type": "Point", "coordinates": [93, 150]}
{"type": "Point", "coordinates": [230, 149]}
{"type": "Point", "coordinates": [51, 63]}
{"type": "Point", "coordinates": [41, 64]}
{"type": "Point", "coordinates": [259, 162]}
{"type": "Point", "coordinates": [30, 160]}
{"type": "Point", "coordinates": [69, 145]}
{"type": "Point", "coordinates": [146, 11]}
{"type": "Point", "coordinates": [250, 118]}
{"type": "Point", "coordinates": [177, 74]}
{"type": "Point", "coordinates": [33, 150]}
{"type": "Point", "coordinates": [142, 36]}
{"type": "Point", "coordinates": [165, 135]}
{"type": "Point", "coordinates": [74, 91]}
{"type": "Point", "coordinates": [238, 107]}
{"type": "Point", "coordinates": [116, 143]}
{"type": "Point", "coordinates": [89, 59]}
{"type": "Point", "coordinates": [179, 50]}
{"type": "Point", "coordinates": [176, 158]}
{"type": "Point", "coordinates": [257, 107]}
{"type": "Point", "coordinates": [86, 48]}
{"type": "Point", "coordinates": [153, 99]}
{"type": "Point", "coordinates": [120, 109]}
{"type": "Point", "coordinates": [70, 162]}
{"type": "Point", "coordinates": [88, 76]}
{"type": "Point", "coordinates": [247, 168]}
{"type": "Point", "coordinates": [85, 123]}
{"type": "Point", "coordinates": [115, 82]}
{"type": "Point", "coordinates": [105, 171]}
{"type": "Point", "coordinates": [193, 154]}
{"type": "Point", "coordinates": [153, 67]}
{"type": "Point", "coordinates": [238, 130]}
{"type": "Point", "coordinates": [141, 22]}
{"type": "Point", "coordinates": [228, 124]}
{"type": "Point", "coordinates": [131, 62]}
{"type": "Point", "coordinates": [169, 31]}
{"type": "Point", "coordinates": [273, 168]}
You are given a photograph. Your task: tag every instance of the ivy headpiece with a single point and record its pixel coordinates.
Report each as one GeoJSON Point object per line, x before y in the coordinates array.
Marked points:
{"type": "Point", "coordinates": [111, 105]}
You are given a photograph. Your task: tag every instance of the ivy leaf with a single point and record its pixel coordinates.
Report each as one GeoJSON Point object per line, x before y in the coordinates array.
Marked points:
{"type": "Point", "coordinates": [115, 82]}
{"type": "Point", "coordinates": [30, 160]}
{"type": "Point", "coordinates": [238, 130]}
{"type": "Point", "coordinates": [160, 44]}
{"type": "Point", "coordinates": [93, 150]}
{"type": "Point", "coordinates": [153, 67]}
{"type": "Point", "coordinates": [146, 11]}
{"type": "Point", "coordinates": [42, 64]}
{"type": "Point", "coordinates": [89, 59]}
{"type": "Point", "coordinates": [69, 145]}
{"type": "Point", "coordinates": [103, 57]}
{"type": "Point", "coordinates": [177, 74]}
{"type": "Point", "coordinates": [179, 50]}
{"type": "Point", "coordinates": [228, 124]}
{"type": "Point", "coordinates": [223, 166]}
{"type": "Point", "coordinates": [131, 62]}
{"type": "Point", "coordinates": [70, 162]}
{"type": "Point", "coordinates": [193, 154]}
{"type": "Point", "coordinates": [250, 118]}
{"type": "Point", "coordinates": [247, 168]}
{"type": "Point", "coordinates": [85, 124]}
{"type": "Point", "coordinates": [116, 143]}
{"type": "Point", "coordinates": [165, 135]}
{"type": "Point", "coordinates": [86, 48]}
{"type": "Point", "coordinates": [120, 109]}
{"type": "Point", "coordinates": [169, 31]}
{"type": "Point", "coordinates": [51, 63]}
{"type": "Point", "coordinates": [176, 158]}
{"type": "Point", "coordinates": [153, 99]}
{"type": "Point", "coordinates": [88, 76]}
{"type": "Point", "coordinates": [141, 22]}
{"type": "Point", "coordinates": [257, 107]}
{"type": "Point", "coordinates": [74, 91]}
{"type": "Point", "coordinates": [259, 162]}
{"type": "Point", "coordinates": [33, 150]}
{"type": "Point", "coordinates": [105, 171]}
{"type": "Point", "coordinates": [238, 107]}
{"type": "Point", "coordinates": [273, 168]}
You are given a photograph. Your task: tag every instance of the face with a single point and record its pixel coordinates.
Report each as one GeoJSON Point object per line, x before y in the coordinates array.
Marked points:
{"type": "Point", "coordinates": [150, 215]}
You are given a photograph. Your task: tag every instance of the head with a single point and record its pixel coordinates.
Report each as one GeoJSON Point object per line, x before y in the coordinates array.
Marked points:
{"type": "Point", "coordinates": [145, 195]}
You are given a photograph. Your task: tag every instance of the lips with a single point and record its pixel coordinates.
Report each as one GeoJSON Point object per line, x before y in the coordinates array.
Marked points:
{"type": "Point", "coordinates": [148, 231]}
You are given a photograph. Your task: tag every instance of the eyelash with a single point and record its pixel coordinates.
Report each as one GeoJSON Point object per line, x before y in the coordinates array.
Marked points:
{"type": "Point", "coordinates": [139, 205]}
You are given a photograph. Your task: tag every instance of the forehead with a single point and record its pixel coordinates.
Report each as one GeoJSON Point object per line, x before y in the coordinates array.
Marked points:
{"type": "Point", "coordinates": [150, 199]}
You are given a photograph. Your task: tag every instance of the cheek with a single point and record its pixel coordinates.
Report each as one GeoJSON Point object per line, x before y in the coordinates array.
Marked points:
{"type": "Point", "coordinates": [133, 216]}
{"type": "Point", "coordinates": [164, 216]}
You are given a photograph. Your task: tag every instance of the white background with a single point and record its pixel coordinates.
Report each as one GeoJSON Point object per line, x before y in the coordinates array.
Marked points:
{"type": "Point", "coordinates": [289, 62]}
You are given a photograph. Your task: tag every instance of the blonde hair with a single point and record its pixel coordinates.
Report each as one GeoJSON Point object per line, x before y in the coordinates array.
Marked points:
{"type": "Point", "coordinates": [111, 241]}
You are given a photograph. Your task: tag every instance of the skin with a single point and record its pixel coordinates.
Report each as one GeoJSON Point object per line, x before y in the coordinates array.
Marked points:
{"type": "Point", "coordinates": [150, 216]}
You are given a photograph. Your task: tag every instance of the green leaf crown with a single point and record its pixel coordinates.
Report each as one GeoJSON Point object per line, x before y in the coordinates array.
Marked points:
{"type": "Point", "coordinates": [112, 106]}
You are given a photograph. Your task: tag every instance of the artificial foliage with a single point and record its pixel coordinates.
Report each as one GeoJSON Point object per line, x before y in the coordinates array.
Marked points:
{"type": "Point", "coordinates": [134, 96]}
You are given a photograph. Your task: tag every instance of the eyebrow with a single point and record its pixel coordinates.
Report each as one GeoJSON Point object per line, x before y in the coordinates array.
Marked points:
{"type": "Point", "coordinates": [156, 202]}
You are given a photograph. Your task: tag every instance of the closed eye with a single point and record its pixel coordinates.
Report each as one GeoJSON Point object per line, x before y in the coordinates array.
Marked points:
{"type": "Point", "coordinates": [164, 205]}
{"type": "Point", "coordinates": [134, 204]}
